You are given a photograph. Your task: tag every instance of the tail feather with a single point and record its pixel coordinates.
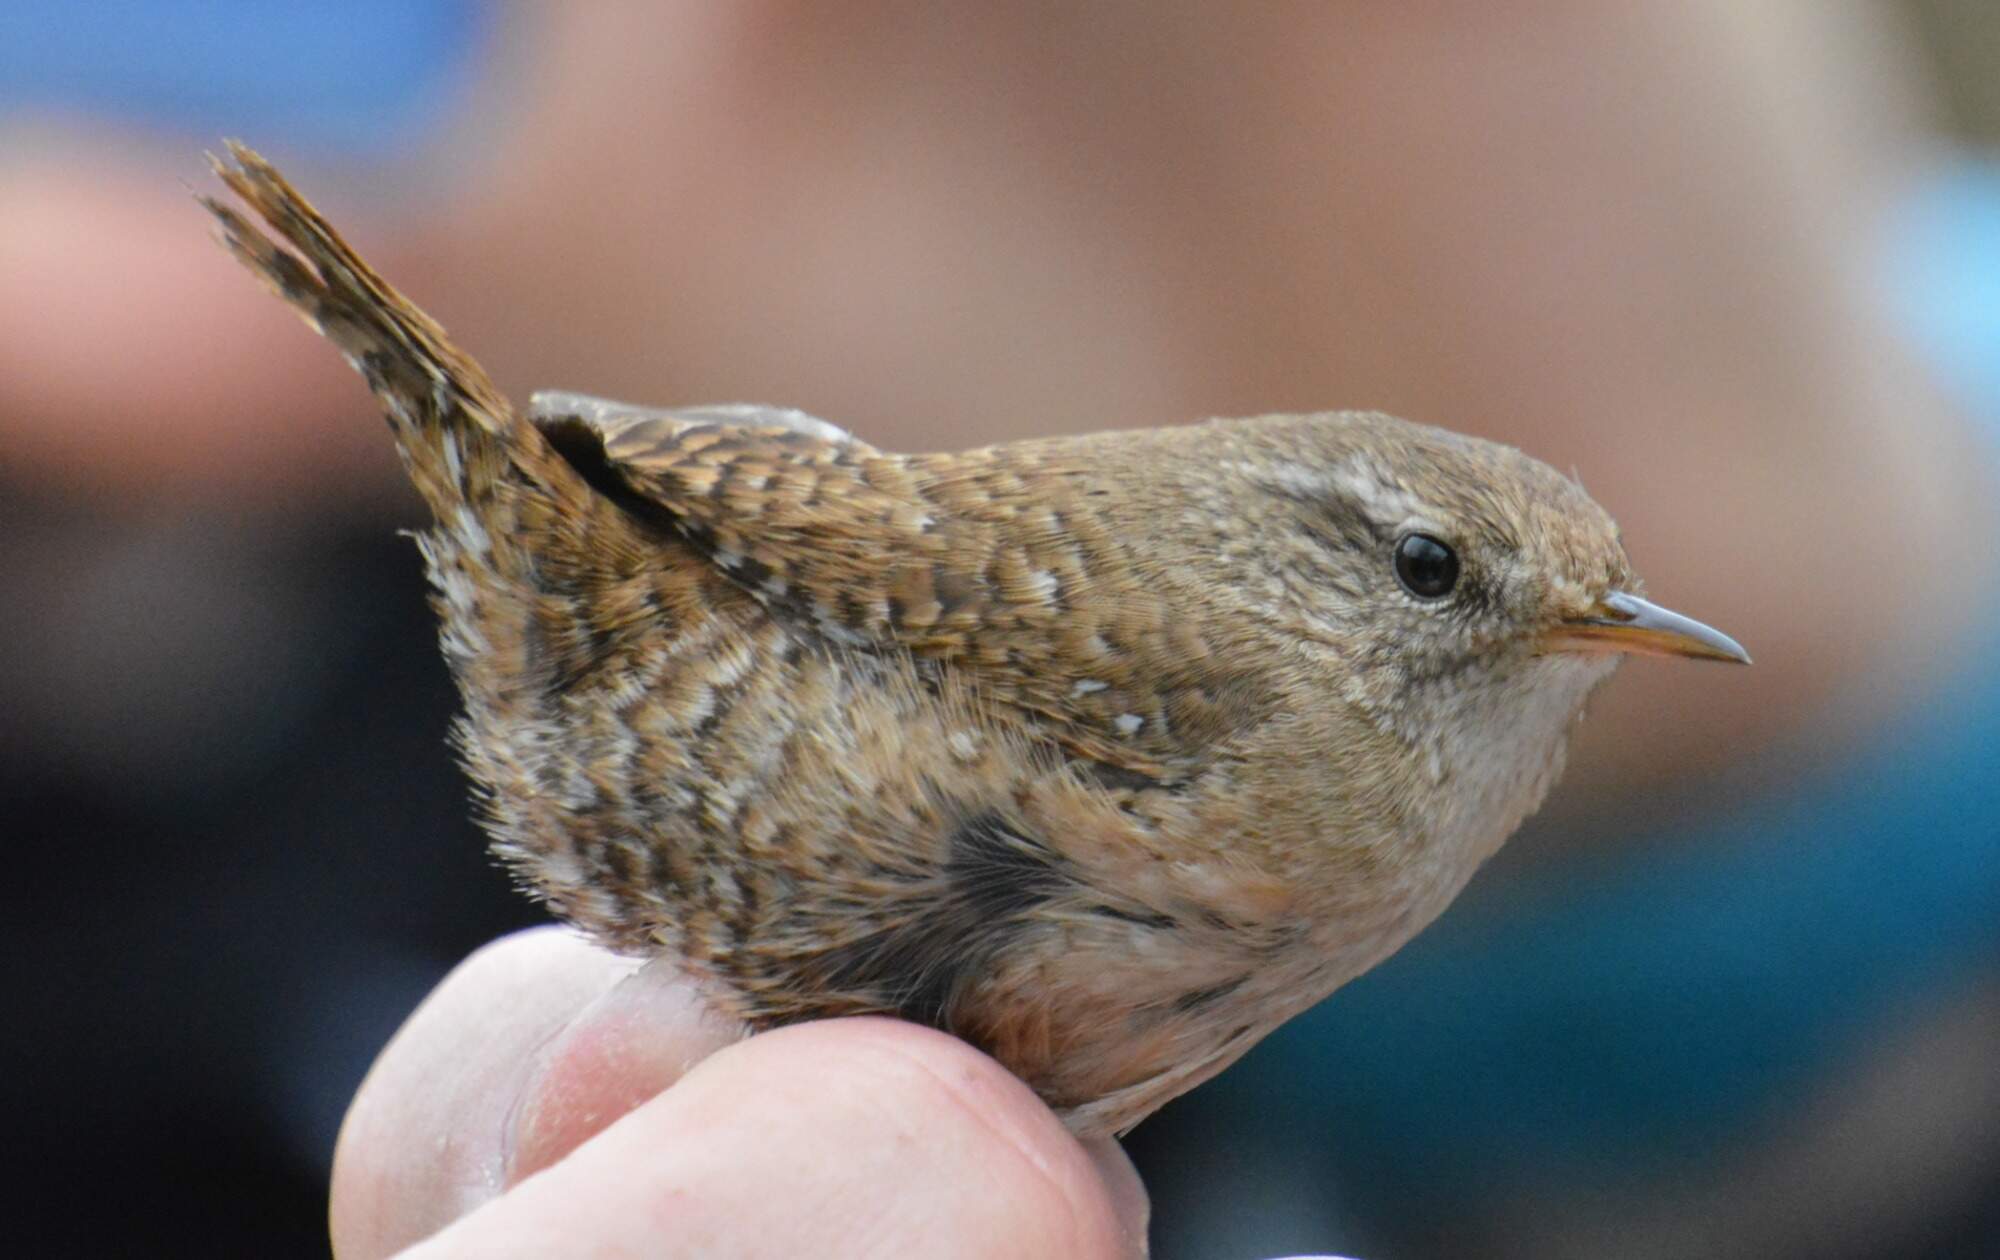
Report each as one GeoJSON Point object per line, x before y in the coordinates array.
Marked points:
{"type": "Point", "coordinates": [520, 539]}
{"type": "Point", "coordinates": [458, 433]}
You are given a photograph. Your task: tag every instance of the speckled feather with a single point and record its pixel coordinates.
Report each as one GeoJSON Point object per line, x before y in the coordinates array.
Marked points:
{"type": "Point", "coordinates": [1100, 752]}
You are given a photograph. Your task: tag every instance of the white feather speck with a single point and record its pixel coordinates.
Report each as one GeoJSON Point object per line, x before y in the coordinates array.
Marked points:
{"type": "Point", "coordinates": [470, 532]}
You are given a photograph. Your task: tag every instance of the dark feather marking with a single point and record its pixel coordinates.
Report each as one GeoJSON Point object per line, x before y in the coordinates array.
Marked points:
{"type": "Point", "coordinates": [953, 590]}
{"type": "Point", "coordinates": [721, 701]}
{"type": "Point", "coordinates": [618, 860]}
{"type": "Point", "coordinates": [852, 612]}
{"type": "Point", "coordinates": [1194, 1000]}
{"type": "Point", "coordinates": [1348, 519]}
{"type": "Point", "coordinates": [752, 573]}
{"type": "Point", "coordinates": [582, 448]}
{"type": "Point", "coordinates": [1144, 918]}
{"type": "Point", "coordinates": [1000, 873]}
{"type": "Point", "coordinates": [1116, 778]}
{"type": "Point", "coordinates": [375, 367]}
{"type": "Point", "coordinates": [994, 878]}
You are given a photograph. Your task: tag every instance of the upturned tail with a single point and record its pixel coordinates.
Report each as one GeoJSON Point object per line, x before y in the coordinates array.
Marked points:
{"type": "Point", "coordinates": [520, 539]}
{"type": "Point", "coordinates": [508, 507]}
{"type": "Point", "coordinates": [459, 435]}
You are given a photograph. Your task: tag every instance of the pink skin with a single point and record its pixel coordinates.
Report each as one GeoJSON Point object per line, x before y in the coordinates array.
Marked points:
{"type": "Point", "coordinates": [550, 1098]}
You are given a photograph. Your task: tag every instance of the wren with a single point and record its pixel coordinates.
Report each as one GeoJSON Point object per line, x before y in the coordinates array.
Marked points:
{"type": "Point", "coordinates": [1108, 754]}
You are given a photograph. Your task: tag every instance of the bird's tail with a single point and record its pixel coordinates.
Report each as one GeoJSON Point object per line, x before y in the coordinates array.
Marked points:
{"type": "Point", "coordinates": [459, 436]}
{"type": "Point", "coordinates": [519, 539]}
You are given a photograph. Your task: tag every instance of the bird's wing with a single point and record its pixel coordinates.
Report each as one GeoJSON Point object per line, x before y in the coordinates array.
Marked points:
{"type": "Point", "coordinates": [992, 564]}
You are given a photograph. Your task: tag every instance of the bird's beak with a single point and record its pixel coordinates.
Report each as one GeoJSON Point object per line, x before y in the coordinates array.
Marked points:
{"type": "Point", "coordinates": [1626, 623]}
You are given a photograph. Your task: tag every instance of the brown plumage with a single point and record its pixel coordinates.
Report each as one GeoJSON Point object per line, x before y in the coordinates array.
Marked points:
{"type": "Point", "coordinates": [1108, 754]}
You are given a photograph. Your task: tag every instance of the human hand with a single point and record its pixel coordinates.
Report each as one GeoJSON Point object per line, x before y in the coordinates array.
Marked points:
{"type": "Point", "coordinates": [552, 1099]}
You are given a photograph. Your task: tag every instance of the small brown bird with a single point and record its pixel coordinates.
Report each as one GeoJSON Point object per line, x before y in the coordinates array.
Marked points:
{"type": "Point", "coordinates": [1108, 754]}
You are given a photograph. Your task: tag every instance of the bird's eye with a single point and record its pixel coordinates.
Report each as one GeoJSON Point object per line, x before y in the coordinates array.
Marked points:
{"type": "Point", "coordinates": [1427, 568]}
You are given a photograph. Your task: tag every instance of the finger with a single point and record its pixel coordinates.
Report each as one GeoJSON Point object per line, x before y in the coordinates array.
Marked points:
{"type": "Point", "coordinates": [845, 1137]}
{"type": "Point", "coordinates": [643, 1034]}
{"type": "Point", "coordinates": [1129, 1201]}
{"type": "Point", "coordinates": [529, 1046]}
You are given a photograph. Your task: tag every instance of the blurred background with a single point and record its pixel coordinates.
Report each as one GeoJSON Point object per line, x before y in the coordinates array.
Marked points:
{"type": "Point", "coordinates": [1735, 993]}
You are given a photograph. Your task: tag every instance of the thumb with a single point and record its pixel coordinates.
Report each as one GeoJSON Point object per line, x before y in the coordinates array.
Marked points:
{"type": "Point", "coordinates": [527, 1048]}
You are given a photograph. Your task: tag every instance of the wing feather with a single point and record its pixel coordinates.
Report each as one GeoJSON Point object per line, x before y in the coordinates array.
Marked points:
{"type": "Point", "coordinates": [991, 562]}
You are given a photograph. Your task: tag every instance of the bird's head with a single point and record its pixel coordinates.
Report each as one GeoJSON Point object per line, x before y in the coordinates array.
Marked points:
{"type": "Point", "coordinates": [1455, 589]}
